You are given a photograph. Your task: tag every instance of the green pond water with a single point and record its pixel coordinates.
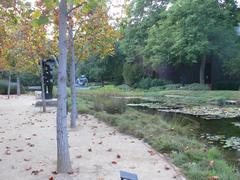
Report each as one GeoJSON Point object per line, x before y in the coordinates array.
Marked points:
{"type": "Point", "coordinates": [224, 133]}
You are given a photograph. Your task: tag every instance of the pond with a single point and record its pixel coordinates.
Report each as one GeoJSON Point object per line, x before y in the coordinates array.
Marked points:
{"type": "Point", "coordinates": [224, 133]}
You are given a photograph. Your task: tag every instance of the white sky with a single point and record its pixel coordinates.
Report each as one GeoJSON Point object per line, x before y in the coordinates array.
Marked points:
{"type": "Point", "coordinates": [115, 10]}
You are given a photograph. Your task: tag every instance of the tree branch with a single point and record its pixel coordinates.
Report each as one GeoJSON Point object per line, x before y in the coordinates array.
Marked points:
{"type": "Point", "coordinates": [77, 6]}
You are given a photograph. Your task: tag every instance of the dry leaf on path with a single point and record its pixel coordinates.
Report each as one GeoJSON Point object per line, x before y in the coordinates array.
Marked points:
{"type": "Point", "coordinates": [79, 156]}
{"type": "Point", "coordinates": [213, 178]}
{"type": "Point", "coordinates": [109, 150]}
{"type": "Point", "coordinates": [166, 167]}
{"type": "Point", "coordinates": [19, 150]}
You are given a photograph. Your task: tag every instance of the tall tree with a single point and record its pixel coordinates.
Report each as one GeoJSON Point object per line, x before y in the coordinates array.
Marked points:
{"type": "Point", "coordinates": [63, 157]}
{"type": "Point", "coordinates": [190, 31]}
{"type": "Point", "coordinates": [73, 70]}
{"type": "Point", "coordinates": [141, 15]}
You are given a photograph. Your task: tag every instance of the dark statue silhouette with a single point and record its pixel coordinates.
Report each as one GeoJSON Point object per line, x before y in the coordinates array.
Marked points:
{"type": "Point", "coordinates": [47, 67]}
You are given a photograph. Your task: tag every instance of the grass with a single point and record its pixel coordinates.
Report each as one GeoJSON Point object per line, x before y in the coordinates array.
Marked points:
{"type": "Point", "coordinates": [172, 137]}
{"type": "Point", "coordinates": [185, 97]}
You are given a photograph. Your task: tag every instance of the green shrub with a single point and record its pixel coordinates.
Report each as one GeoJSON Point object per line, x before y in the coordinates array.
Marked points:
{"type": "Point", "coordinates": [146, 83]}
{"type": "Point", "coordinates": [110, 105]}
{"type": "Point", "coordinates": [172, 86]}
{"type": "Point", "coordinates": [29, 79]}
{"type": "Point", "coordinates": [4, 87]}
{"type": "Point", "coordinates": [195, 86]}
{"type": "Point", "coordinates": [124, 87]}
{"type": "Point", "coordinates": [226, 85]}
{"type": "Point", "coordinates": [132, 73]}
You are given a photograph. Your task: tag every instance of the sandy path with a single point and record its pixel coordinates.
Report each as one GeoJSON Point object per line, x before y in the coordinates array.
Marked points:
{"type": "Point", "coordinates": [98, 152]}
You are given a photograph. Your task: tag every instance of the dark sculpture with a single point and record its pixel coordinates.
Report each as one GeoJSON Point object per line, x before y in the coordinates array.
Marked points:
{"type": "Point", "coordinates": [47, 67]}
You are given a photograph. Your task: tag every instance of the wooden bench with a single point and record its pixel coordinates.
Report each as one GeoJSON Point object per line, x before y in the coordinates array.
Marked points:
{"type": "Point", "coordinates": [128, 176]}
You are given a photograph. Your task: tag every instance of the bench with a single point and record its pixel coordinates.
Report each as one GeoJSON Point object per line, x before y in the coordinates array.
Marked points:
{"type": "Point", "coordinates": [128, 176]}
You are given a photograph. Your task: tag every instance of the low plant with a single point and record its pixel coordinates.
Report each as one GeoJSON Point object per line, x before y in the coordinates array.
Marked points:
{"type": "Point", "coordinates": [4, 87]}
{"type": "Point", "coordinates": [146, 83]}
{"type": "Point", "coordinates": [195, 86]}
{"type": "Point", "coordinates": [110, 105]}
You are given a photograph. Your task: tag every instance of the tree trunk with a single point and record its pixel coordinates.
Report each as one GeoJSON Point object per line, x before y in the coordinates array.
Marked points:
{"type": "Point", "coordinates": [18, 85]}
{"type": "Point", "coordinates": [202, 70]}
{"type": "Point", "coordinates": [9, 84]}
{"type": "Point", "coordinates": [102, 81]}
{"type": "Point", "coordinates": [43, 88]}
{"type": "Point", "coordinates": [72, 75]}
{"type": "Point", "coordinates": [63, 157]}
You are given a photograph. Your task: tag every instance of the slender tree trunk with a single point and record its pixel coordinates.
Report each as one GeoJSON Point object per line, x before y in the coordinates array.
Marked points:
{"type": "Point", "coordinates": [63, 157]}
{"type": "Point", "coordinates": [202, 70]}
{"type": "Point", "coordinates": [18, 85]}
{"type": "Point", "coordinates": [9, 84]}
{"type": "Point", "coordinates": [43, 88]}
{"type": "Point", "coordinates": [72, 75]}
{"type": "Point", "coordinates": [102, 81]}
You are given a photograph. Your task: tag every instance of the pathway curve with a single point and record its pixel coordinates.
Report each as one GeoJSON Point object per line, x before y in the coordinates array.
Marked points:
{"type": "Point", "coordinates": [98, 152]}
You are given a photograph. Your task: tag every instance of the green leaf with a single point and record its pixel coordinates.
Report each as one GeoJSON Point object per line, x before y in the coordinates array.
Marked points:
{"type": "Point", "coordinates": [36, 14]}
{"type": "Point", "coordinates": [35, 23]}
{"type": "Point", "coordinates": [43, 20]}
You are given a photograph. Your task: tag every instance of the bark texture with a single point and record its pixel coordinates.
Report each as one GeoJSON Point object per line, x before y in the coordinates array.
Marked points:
{"type": "Point", "coordinates": [63, 157]}
{"type": "Point", "coordinates": [43, 89]}
{"type": "Point", "coordinates": [18, 85]}
{"type": "Point", "coordinates": [202, 70]}
{"type": "Point", "coordinates": [9, 84]}
{"type": "Point", "coordinates": [72, 73]}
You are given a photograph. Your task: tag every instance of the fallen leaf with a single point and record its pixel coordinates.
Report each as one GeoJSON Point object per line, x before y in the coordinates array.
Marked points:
{"type": "Point", "coordinates": [152, 153]}
{"type": "Point", "coordinates": [29, 168]}
{"type": "Point", "coordinates": [79, 156]}
{"type": "Point", "coordinates": [35, 172]}
{"type": "Point", "coordinates": [211, 163]}
{"type": "Point", "coordinates": [7, 152]}
{"type": "Point", "coordinates": [26, 159]}
{"type": "Point", "coordinates": [118, 156]}
{"type": "Point", "coordinates": [166, 167]}
{"type": "Point", "coordinates": [114, 162]}
{"type": "Point", "coordinates": [51, 178]}
{"type": "Point", "coordinates": [100, 142]}
{"type": "Point", "coordinates": [89, 149]}
{"type": "Point", "coordinates": [70, 172]}
{"type": "Point", "coordinates": [109, 150]}
{"type": "Point", "coordinates": [19, 150]}
{"type": "Point", "coordinates": [31, 145]}
{"type": "Point", "coordinates": [213, 178]}
{"type": "Point", "coordinates": [54, 172]}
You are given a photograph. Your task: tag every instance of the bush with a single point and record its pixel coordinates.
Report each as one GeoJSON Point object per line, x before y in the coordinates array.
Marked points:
{"type": "Point", "coordinates": [172, 86]}
{"type": "Point", "coordinates": [4, 87]}
{"type": "Point", "coordinates": [110, 105]}
{"type": "Point", "coordinates": [226, 85]}
{"type": "Point", "coordinates": [195, 86]}
{"type": "Point", "coordinates": [146, 83]}
{"type": "Point", "coordinates": [29, 79]}
{"type": "Point", "coordinates": [124, 87]}
{"type": "Point", "coordinates": [132, 73]}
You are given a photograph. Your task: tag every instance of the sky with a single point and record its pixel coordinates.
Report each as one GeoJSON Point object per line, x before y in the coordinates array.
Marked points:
{"type": "Point", "coordinates": [115, 8]}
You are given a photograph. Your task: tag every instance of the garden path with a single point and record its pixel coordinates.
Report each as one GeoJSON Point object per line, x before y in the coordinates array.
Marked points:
{"type": "Point", "coordinates": [98, 152]}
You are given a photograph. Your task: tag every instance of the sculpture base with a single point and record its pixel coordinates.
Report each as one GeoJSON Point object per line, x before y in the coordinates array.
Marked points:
{"type": "Point", "coordinates": [49, 102]}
